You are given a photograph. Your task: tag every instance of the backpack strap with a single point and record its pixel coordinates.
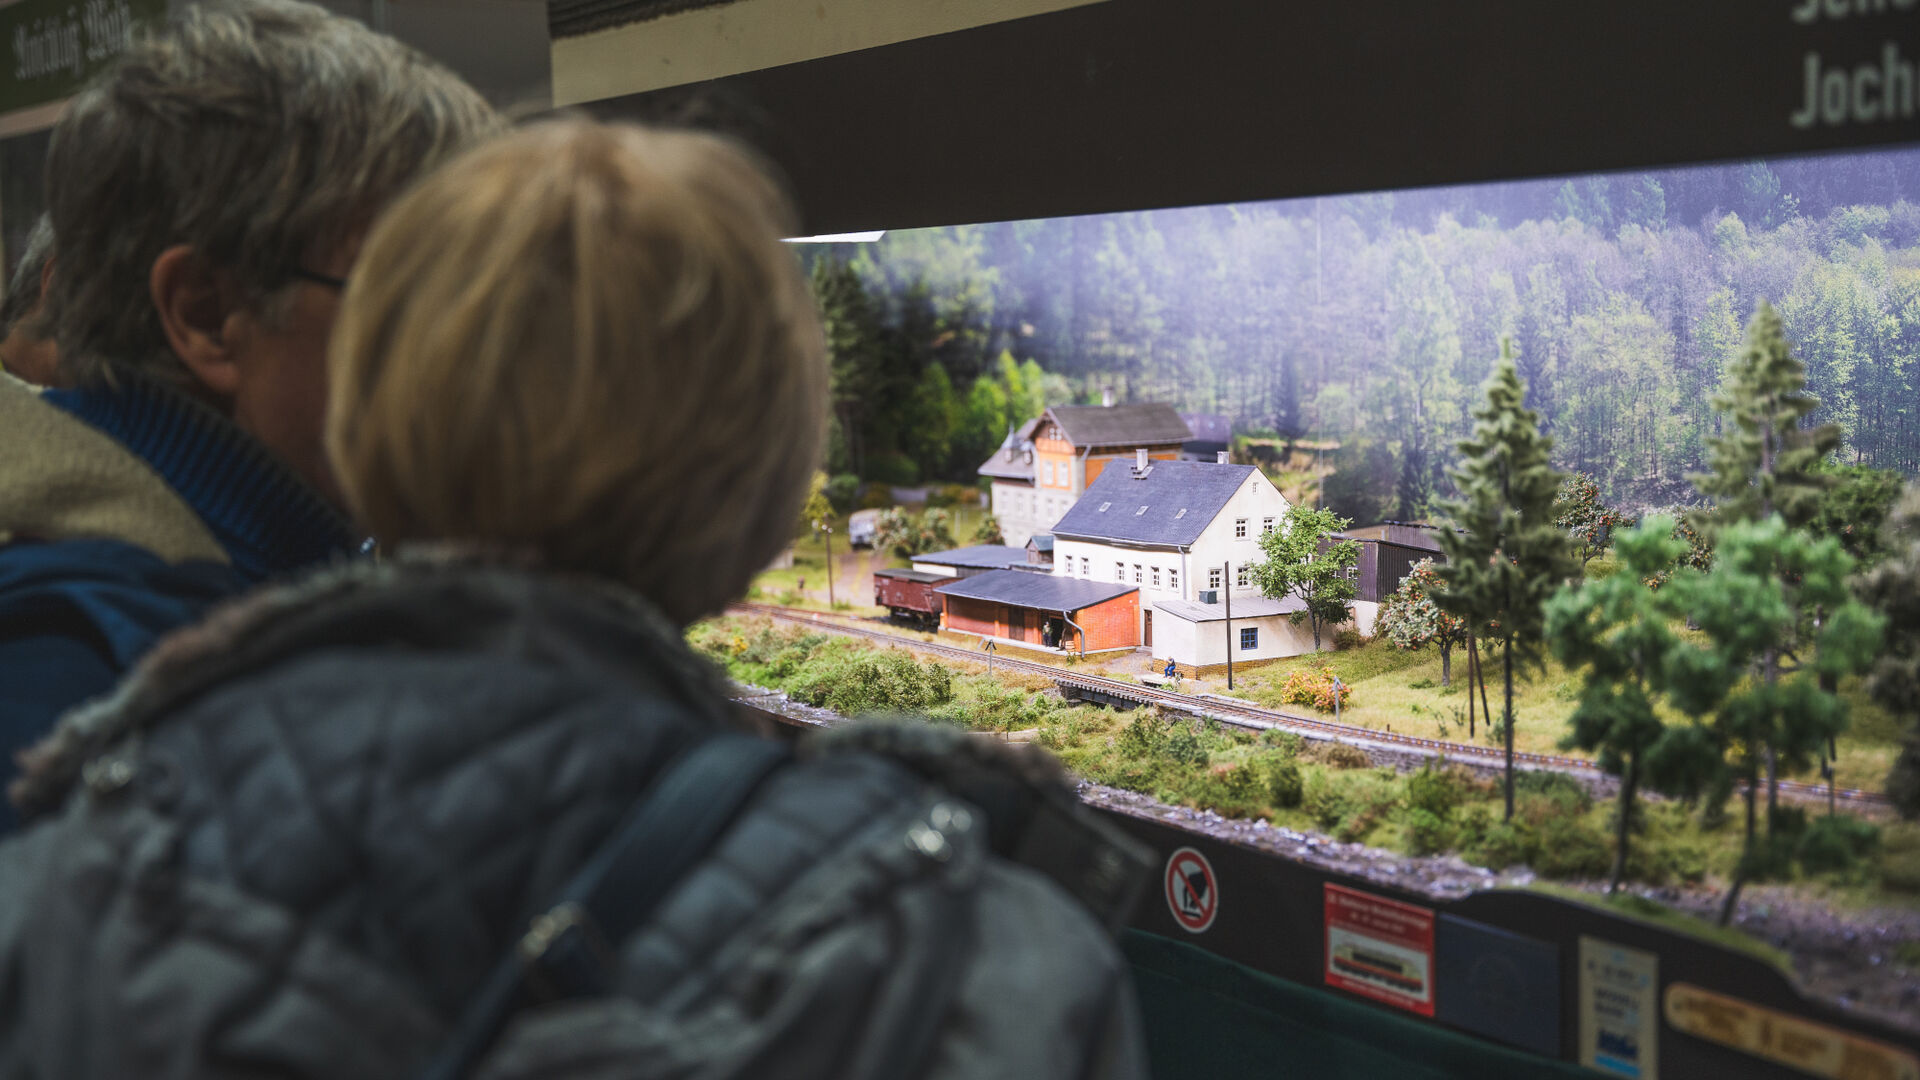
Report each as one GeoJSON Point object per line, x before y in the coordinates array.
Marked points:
{"type": "Point", "coordinates": [567, 951]}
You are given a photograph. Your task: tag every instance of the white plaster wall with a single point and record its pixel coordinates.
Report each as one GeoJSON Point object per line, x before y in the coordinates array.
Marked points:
{"type": "Point", "coordinates": [1205, 644]}
{"type": "Point", "coordinates": [1012, 505]}
{"type": "Point", "coordinates": [1256, 501]}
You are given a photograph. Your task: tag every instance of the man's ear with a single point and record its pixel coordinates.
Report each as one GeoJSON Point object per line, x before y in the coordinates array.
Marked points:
{"type": "Point", "coordinates": [194, 310]}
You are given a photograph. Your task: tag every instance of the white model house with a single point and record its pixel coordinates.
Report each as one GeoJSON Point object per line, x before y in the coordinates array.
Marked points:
{"type": "Point", "coordinates": [1179, 530]}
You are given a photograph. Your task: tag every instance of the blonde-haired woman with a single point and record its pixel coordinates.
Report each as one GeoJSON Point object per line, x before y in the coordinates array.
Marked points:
{"type": "Point", "coordinates": [477, 807]}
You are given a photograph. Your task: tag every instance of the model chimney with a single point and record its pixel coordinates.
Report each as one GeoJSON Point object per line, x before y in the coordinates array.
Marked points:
{"type": "Point", "coordinates": [1106, 397]}
{"type": "Point", "coordinates": [1140, 461]}
{"type": "Point", "coordinates": [1220, 457]}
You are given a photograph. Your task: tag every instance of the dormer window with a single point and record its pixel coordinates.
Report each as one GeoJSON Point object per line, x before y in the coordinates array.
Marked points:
{"type": "Point", "coordinates": [1140, 511]}
{"type": "Point", "coordinates": [1103, 507]}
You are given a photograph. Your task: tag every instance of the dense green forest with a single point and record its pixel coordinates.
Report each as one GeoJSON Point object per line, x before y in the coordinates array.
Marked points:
{"type": "Point", "coordinates": [1374, 319]}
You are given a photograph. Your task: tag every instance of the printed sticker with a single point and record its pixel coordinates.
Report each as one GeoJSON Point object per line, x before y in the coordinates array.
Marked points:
{"type": "Point", "coordinates": [1619, 1009]}
{"type": "Point", "coordinates": [1380, 948]}
{"type": "Point", "coordinates": [1776, 1036]}
{"type": "Point", "coordinates": [1192, 894]}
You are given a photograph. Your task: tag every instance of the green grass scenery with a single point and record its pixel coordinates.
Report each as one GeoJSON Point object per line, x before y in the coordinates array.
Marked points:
{"type": "Point", "coordinates": [1559, 829]}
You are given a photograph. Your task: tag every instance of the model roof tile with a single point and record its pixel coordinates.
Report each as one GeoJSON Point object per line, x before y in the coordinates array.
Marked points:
{"type": "Point", "coordinates": [1199, 488]}
{"type": "Point", "coordinates": [1050, 592]}
{"type": "Point", "coordinates": [1120, 425]}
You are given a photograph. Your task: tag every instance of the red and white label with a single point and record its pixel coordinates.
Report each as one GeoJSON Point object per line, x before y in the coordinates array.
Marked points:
{"type": "Point", "coordinates": [1192, 893]}
{"type": "Point", "coordinates": [1380, 948]}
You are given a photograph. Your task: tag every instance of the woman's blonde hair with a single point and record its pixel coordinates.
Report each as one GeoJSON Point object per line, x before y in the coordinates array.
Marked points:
{"type": "Point", "coordinates": [588, 340]}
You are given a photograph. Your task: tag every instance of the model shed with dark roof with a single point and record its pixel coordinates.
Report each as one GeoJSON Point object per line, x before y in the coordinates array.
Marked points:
{"type": "Point", "coordinates": [1046, 610]}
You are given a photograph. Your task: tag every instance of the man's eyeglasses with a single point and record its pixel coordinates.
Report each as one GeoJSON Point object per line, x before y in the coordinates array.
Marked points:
{"type": "Point", "coordinates": [318, 278]}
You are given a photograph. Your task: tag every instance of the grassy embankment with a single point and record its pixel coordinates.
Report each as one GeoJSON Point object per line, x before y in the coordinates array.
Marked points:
{"type": "Point", "coordinates": [1559, 830]}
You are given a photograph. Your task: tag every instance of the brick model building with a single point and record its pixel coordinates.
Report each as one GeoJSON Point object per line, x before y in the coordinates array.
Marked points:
{"type": "Point", "coordinates": [1043, 467]}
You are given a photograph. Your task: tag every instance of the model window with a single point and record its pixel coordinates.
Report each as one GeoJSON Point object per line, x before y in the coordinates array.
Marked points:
{"type": "Point", "coordinates": [1182, 512]}
{"type": "Point", "coordinates": [1119, 571]}
{"type": "Point", "coordinates": [1241, 577]}
{"type": "Point", "coordinates": [1266, 525]}
{"type": "Point", "coordinates": [1156, 577]}
{"type": "Point", "coordinates": [1213, 579]}
{"type": "Point", "coordinates": [1249, 637]}
{"type": "Point", "coordinates": [1140, 511]}
{"type": "Point", "coordinates": [1173, 580]}
{"type": "Point", "coordinates": [1136, 573]}
{"type": "Point", "coordinates": [1086, 567]}
{"type": "Point", "coordinates": [1353, 573]}
{"type": "Point", "coordinates": [1103, 506]}
{"type": "Point", "coordinates": [1240, 528]}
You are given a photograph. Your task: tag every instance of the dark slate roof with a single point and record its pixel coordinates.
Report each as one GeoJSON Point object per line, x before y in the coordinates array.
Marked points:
{"type": "Point", "coordinates": [994, 556]}
{"type": "Point", "coordinates": [1121, 425]}
{"type": "Point", "coordinates": [1201, 488]}
{"type": "Point", "coordinates": [1209, 427]}
{"type": "Point", "coordinates": [1049, 592]}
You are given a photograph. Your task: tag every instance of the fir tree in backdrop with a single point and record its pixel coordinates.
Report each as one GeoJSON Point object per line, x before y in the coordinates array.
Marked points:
{"type": "Point", "coordinates": [1757, 672]}
{"type": "Point", "coordinates": [1622, 632]}
{"type": "Point", "coordinates": [1893, 588]}
{"type": "Point", "coordinates": [1505, 556]}
{"type": "Point", "coordinates": [1303, 560]}
{"type": "Point", "coordinates": [1764, 461]}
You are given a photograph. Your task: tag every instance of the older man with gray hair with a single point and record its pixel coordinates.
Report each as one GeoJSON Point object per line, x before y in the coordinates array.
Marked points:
{"type": "Point", "coordinates": [208, 196]}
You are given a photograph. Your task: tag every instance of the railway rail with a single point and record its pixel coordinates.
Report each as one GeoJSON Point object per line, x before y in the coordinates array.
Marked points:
{"type": "Point", "coordinates": [1249, 716]}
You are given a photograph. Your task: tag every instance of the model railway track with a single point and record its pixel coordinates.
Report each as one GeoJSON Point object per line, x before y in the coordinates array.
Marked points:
{"type": "Point", "coordinates": [1242, 715]}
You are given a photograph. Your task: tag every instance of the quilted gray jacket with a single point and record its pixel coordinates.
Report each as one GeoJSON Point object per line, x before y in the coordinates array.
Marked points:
{"type": "Point", "coordinates": [297, 837]}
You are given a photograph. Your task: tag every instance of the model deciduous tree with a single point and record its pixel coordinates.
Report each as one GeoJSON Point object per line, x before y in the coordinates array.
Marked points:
{"type": "Point", "coordinates": [1303, 561]}
{"type": "Point", "coordinates": [1505, 556]}
{"type": "Point", "coordinates": [1623, 634]}
{"type": "Point", "coordinates": [1757, 671]}
{"type": "Point", "coordinates": [1579, 511]}
{"type": "Point", "coordinates": [988, 531]}
{"type": "Point", "coordinates": [1412, 619]}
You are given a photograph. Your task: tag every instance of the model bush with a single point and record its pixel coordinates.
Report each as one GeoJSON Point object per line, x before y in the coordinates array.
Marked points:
{"type": "Point", "coordinates": [1144, 736]}
{"type": "Point", "coordinates": [1497, 845]}
{"type": "Point", "coordinates": [1837, 843]}
{"type": "Point", "coordinates": [1571, 847]}
{"type": "Point", "coordinates": [874, 682]}
{"type": "Point", "coordinates": [1313, 686]}
{"type": "Point", "coordinates": [843, 492]}
{"type": "Point", "coordinates": [1285, 786]}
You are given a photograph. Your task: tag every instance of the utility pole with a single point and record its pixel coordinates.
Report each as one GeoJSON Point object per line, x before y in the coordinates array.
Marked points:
{"type": "Point", "coordinates": [1227, 581]}
{"type": "Point", "coordinates": [826, 530]}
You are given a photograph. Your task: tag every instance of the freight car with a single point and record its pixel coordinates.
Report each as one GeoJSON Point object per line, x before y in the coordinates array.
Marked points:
{"type": "Point", "coordinates": [909, 595]}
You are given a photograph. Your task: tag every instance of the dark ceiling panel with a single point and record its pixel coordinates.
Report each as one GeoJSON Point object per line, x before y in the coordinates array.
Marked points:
{"type": "Point", "coordinates": [1133, 104]}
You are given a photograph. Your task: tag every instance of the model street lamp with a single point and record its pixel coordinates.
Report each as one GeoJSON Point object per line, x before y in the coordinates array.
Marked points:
{"type": "Point", "coordinates": [826, 530]}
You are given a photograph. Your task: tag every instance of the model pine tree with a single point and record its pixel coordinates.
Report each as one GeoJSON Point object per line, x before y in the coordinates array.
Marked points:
{"type": "Point", "coordinates": [1893, 589]}
{"type": "Point", "coordinates": [1505, 556]}
{"type": "Point", "coordinates": [1757, 672]}
{"type": "Point", "coordinates": [1764, 461]}
{"type": "Point", "coordinates": [1296, 565]}
{"type": "Point", "coordinates": [1623, 634]}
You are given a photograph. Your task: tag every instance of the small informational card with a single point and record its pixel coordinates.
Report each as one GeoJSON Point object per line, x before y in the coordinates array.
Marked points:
{"type": "Point", "coordinates": [1619, 1009]}
{"type": "Point", "coordinates": [1380, 948]}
